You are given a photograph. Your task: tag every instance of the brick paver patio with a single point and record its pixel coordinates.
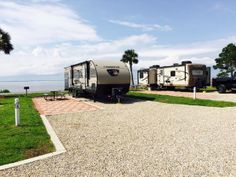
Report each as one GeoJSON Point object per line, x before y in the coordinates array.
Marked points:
{"type": "Point", "coordinates": [61, 106]}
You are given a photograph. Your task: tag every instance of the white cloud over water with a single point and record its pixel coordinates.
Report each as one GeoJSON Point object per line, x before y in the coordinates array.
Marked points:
{"type": "Point", "coordinates": [43, 60]}
{"type": "Point", "coordinates": [48, 37]}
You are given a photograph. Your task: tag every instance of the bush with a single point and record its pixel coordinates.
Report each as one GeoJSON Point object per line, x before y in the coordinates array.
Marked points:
{"type": "Point", "coordinates": [138, 88]}
{"type": "Point", "coordinates": [4, 91]}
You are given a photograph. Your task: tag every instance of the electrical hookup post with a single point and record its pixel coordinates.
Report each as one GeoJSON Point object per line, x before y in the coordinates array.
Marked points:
{"type": "Point", "coordinates": [17, 111]}
{"type": "Point", "coordinates": [194, 93]}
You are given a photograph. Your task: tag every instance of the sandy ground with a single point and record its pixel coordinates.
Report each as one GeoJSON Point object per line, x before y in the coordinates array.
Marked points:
{"type": "Point", "coordinates": [141, 138]}
{"type": "Point", "coordinates": [210, 95]}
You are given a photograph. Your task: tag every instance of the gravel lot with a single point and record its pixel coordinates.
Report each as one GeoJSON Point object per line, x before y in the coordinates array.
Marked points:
{"type": "Point", "coordinates": [141, 139]}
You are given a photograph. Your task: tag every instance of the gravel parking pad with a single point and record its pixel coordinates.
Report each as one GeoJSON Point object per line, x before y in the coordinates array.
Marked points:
{"type": "Point", "coordinates": [141, 139]}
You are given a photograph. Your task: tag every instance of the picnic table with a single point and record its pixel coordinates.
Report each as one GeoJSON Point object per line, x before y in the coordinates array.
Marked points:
{"type": "Point", "coordinates": [54, 94]}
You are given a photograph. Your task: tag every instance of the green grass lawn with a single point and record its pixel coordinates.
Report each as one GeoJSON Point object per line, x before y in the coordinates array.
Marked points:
{"type": "Point", "coordinates": [29, 139]}
{"type": "Point", "coordinates": [180, 100]}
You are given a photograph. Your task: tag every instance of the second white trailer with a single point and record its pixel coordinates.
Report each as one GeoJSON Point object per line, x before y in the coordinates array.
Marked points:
{"type": "Point", "coordinates": [186, 75]}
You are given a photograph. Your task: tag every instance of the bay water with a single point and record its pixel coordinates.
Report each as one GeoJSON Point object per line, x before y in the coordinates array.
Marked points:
{"type": "Point", "coordinates": [35, 86]}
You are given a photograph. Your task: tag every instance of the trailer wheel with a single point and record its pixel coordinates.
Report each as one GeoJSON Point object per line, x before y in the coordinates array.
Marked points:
{"type": "Point", "coordinates": [152, 87]}
{"type": "Point", "coordinates": [221, 88]}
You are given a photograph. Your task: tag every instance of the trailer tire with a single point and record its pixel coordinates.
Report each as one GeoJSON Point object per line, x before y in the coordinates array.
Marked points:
{"type": "Point", "coordinates": [221, 88]}
{"type": "Point", "coordinates": [152, 87]}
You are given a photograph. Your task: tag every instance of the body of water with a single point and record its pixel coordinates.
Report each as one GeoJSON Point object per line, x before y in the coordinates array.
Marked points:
{"type": "Point", "coordinates": [35, 86]}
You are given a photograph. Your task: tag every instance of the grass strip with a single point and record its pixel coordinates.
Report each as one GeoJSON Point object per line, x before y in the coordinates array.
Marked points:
{"type": "Point", "coordinates": [180, 100]}
{"type": "Point", "coordinates": [28, 140]}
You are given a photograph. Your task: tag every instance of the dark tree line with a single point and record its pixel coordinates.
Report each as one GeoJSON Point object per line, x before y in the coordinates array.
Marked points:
{"type": "Point", "coordinates": [226, 62]}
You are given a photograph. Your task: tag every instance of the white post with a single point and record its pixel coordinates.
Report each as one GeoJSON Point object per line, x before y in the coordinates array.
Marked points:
{"type": "Point", "coordinates": [17, 111]}
{"type": "Point", "coordinates": [194, 93]}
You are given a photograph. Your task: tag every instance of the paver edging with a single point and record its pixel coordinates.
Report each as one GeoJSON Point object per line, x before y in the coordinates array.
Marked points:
{"type": "Point", "coordinates": [55, 140]}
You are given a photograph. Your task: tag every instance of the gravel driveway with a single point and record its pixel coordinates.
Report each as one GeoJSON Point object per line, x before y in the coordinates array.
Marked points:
{"type": "Point", "coordinates": [141, 139]}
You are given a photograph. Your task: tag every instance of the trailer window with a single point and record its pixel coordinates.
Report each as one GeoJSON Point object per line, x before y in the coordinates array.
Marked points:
{"type": "Point", "coordinates": [92, 72]}
{"type": "Point", "coordinates": [197, 72]}
{"type": "Point", "coordinates": [172, 73]}
{"type": "Point", "coordinates": [78, 74]}
{"type": "Point", "coordinates": [141, 75]}
{"type": "Point", "coordinates": [113, 72]}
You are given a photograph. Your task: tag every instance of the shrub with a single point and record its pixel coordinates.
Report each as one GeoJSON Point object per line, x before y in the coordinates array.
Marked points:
{"type": "Point", "coordinates": [4, 91]}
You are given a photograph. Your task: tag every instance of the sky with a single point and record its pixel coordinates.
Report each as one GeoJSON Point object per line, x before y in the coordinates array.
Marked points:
{"type": "Point", "coordinates": [49, 35]}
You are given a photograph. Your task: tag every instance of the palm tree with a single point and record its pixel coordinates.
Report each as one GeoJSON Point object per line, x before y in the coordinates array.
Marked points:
{"type": "Point", "coordinates": [5, 44]}
{"type": "Point", "coordinates": [132, 58]}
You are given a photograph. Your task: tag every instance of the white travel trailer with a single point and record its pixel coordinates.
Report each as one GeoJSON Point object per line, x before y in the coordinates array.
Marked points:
{"type": "Point", "coordinates": [186, 75]}
{"type": "Point", "coordinates": [97, 78]}
{"type": "Point", "coordinates": [142, 77]}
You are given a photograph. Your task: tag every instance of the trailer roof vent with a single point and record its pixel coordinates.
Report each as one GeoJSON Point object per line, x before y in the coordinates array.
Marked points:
{"type": "Point", "coordinates": [186, 62]}
{"type": "Point", "coordinates": [155, 66]}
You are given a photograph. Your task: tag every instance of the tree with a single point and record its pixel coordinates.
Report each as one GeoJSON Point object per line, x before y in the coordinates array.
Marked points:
{"type": "Point", "coordinates": [226, 61]}
{"type": "Point", "coordinates": [131, 58]}
{"type": "Point", "coordinates": [5, 42]}
{"type": "Point", "coordinates": [222, 73]}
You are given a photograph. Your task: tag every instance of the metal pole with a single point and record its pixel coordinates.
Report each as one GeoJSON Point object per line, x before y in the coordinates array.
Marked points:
{"type": "Point", "coordinates": [17, 112]}
{"type": "Point", "coordinates": [118, 99]}
{"type": "Point", "coordinates": [194, 93]}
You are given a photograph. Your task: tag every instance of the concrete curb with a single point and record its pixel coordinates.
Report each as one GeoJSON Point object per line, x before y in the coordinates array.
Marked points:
{"type": "Point", "coordinates": [56, 141]}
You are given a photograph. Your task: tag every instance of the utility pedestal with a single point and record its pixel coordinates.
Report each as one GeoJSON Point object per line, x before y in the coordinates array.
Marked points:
{"type": "Point", "coordinates": [17, 112]}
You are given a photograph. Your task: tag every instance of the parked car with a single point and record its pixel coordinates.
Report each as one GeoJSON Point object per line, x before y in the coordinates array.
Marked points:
{"type": "Point", "coordinates": [225, 83]}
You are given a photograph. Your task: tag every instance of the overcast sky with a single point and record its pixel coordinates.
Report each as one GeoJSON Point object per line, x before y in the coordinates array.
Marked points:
{"type": "Point", "coordinates": [50, 34]}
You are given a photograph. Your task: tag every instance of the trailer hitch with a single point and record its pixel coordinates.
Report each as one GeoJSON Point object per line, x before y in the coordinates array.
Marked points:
{"type": "Point", "coordinates": [116, 93]}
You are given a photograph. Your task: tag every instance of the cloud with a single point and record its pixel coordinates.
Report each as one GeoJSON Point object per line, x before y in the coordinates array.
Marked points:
{"type": "Point", "coordinates": [40, 1]}
{"type": "Point", "coordinates": [40, 23]}
{"type": "Point", "coordinates": [222, 8]}
{"type": "Point", "coordinates": [144, 27]}
{"type": "Point", "coordinates": [43, 60]}
{"type": "Point", "coordinates": [48, 37]}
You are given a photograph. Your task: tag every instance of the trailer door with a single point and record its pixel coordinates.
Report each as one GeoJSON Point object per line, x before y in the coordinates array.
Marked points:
{"type": "Point", "coordinates": [86, 74]}
{"type": "Point", "coordinates": [160, 76]}
{"type": "Point", "coordinates": [208, 76]}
